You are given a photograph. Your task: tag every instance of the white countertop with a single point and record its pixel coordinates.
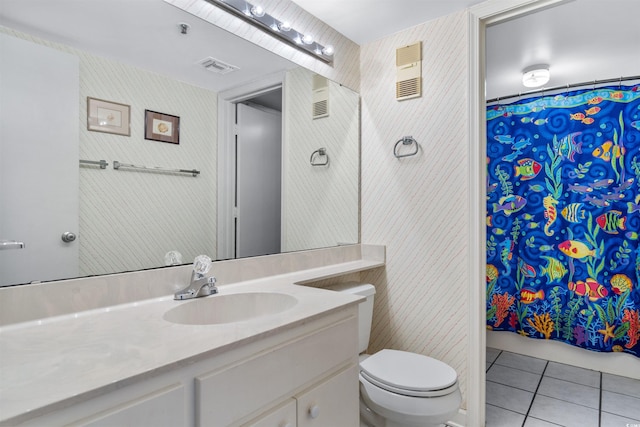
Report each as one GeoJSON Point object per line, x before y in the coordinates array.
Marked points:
{"type": "Point", "coordinates": [71, 358]}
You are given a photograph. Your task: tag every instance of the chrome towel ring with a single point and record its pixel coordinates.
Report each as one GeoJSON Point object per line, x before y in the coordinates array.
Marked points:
{"type": "Point", "coordinates": [319, 154]}
{"type": "Point", "coordinates": [405, 140]}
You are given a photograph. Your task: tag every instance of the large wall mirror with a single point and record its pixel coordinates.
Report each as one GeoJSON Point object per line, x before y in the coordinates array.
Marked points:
{"type": "Point", "coordinates": [151, 90]}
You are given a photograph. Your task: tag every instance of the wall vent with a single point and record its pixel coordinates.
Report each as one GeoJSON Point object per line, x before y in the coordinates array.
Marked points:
{"type": "Point", "coordinates": [217, 66]}
{"type": "Point", "coordinates": [320, 97]}
{"type": "Point", "coordinates": [409, 72]}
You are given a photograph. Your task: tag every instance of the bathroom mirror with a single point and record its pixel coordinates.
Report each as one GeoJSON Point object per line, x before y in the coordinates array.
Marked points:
{"type": "Point", "coordinates": [137, 62]}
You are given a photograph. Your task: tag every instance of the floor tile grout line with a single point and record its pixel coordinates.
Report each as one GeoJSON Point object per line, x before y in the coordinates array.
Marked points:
{"type": "Point", "coordinates": [545, 421]}
{"type": "Point", "coordinates": [600, 404]}
{"type": "Point", "coordinates": [494, 361]}
{"type": "Point", "coordinates": [568, 401]}
{"type": "Point", "coordinates": [518, 369]}
{"type": "Point", "coordinates": [535, 394]}
{"type": "Point", "coordinates": [621, 394]}
{"type": "Point", "coordinates": [510, 386]}
{"type": "Point", "coordinates": [573, 382]}
{"type": "Point", "coordinates": [504, 409]}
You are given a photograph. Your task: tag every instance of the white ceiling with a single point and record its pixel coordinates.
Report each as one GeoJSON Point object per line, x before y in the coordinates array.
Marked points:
{"type": "Point", "coordinates": [143, 33]}
{"type": "Point", "coordinates": [582, 40]}
{"type": "Point", "coordinates": [364, 21]}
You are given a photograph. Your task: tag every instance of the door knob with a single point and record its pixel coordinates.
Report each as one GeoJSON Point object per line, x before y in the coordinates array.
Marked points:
{"type": "Point", "coordinates": [68, 236]}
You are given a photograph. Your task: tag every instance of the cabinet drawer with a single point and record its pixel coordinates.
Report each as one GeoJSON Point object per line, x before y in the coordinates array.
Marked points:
{"type": "Point", "coordinates": [229, 394]}
{"type": "Point", "coordinates": [332, 403]}
{"type": "Point", "coordinates": [162, 408]}
{"type": "Point", "coordinates": [284, 416]}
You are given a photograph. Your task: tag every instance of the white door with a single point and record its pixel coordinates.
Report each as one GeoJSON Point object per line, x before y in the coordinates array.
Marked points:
{"type": "Point", "coordinates": [258, 182]}
{"type": "Point", "coordinates": [39, 112]}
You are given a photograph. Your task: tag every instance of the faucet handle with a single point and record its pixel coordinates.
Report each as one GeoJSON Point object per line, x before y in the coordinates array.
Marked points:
{"type": "Point", "coordinates": [201, 264]}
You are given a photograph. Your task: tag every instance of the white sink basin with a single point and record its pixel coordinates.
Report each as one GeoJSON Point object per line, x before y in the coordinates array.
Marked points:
{"type": "Point", "coordinates": [229, 308]}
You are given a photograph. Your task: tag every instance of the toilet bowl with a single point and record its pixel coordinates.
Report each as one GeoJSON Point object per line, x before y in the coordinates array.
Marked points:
{"type": "Point", "coordinates": [399, 388]}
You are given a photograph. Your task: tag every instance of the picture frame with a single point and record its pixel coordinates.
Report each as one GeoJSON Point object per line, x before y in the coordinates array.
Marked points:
{"type": "Point", "coordinates": [161, 127]}
{"type": "Point", "coordinates": [108, 117]}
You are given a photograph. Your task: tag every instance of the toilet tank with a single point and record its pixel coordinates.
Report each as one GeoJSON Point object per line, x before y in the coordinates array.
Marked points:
{"type": "Point", "coordinates": [365, 308]}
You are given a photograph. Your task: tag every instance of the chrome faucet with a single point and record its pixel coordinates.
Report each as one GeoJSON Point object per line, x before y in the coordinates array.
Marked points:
{"type": "Point", "coordinates": [200, 285]}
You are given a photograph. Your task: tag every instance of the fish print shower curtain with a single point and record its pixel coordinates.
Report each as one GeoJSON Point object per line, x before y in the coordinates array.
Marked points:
{"type": "Point", "coordinates": [563, 217]}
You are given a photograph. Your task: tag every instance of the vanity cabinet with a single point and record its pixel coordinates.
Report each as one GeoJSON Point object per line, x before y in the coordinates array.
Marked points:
{"type": "Point", "coordinates": [324, 360]}
{"type": "Point", "coordinates": [304, 375]}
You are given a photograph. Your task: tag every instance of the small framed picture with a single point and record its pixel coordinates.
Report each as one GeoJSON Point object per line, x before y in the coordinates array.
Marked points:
{"type": "Point", "coordinates": [161, 127]}
{"type": "Point", "coordinates": [109, 117]}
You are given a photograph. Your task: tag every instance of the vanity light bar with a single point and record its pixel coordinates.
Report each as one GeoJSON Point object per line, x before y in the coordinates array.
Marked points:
{"type": "Point", "coordinates": [255, 15]}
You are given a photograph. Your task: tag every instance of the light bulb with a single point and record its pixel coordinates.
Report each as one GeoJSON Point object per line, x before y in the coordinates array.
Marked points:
{"type": "Point", "coordinates": [307, 39]}
{"type": "Point", "coordinates": [328, 50]}
{"type": "Point", "coordinates": [257, 11]}
{"type": "Point", "coordinates": [284, 26]}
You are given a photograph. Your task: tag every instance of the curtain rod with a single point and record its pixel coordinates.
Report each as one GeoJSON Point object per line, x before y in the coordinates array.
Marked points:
{"type": "Point", "coordinates": [568, 86]}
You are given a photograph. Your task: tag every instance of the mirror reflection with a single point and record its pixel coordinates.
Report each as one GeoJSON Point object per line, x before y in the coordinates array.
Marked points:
{"type": "Point", "coordinates": [122, 82]}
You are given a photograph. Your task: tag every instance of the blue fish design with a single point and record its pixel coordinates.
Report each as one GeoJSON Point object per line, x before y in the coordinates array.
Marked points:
{"type": "Point", "coordinates": [522, 144]}
{"type": "Point", "coordinates": [504, 139]}
{"type": "Point", "coordinates": [511, 157]}
{"type": "Point", "coordinates": [567, 147]}
{"type": "Point", "coordinates": [506, 248]}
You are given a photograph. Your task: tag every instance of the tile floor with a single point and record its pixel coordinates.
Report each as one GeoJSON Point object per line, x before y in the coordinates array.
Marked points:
{"type": "Point", "coordinates": [523, 391]}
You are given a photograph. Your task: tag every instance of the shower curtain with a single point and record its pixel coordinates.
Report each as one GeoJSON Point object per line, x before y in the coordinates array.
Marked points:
{"type": "Point", "coordinates": [563, 218]}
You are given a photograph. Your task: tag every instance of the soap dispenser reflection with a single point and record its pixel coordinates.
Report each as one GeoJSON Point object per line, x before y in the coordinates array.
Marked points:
{"type": "Point", "coordinates": [200, 284]}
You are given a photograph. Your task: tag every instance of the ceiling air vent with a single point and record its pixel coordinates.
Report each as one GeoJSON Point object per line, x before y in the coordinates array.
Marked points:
{"type": "Point", "coordinates": [320, 97]}
{"type": "Point", "coordinates": [409, 72]}
{"type": "Point", "coordinates": [217, 66]}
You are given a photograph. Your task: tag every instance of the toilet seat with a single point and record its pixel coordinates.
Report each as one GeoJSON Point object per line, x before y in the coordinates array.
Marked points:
{"type": "Point", "coordinates": [409, 374]}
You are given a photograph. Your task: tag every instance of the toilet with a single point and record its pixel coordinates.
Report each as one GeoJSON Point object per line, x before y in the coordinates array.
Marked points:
{"type": "Point", "coordinates": [399, 388]}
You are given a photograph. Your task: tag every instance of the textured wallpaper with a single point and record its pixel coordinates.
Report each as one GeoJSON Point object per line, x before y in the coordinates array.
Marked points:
{"type": "Point", "coordinates": [130, 219]}
{"type": "Point", "coordinates": [418, 206]}
{"type": "Point", "coordinates": [321, 202]}
{"type": "Point", "coordinates": [345, 69]}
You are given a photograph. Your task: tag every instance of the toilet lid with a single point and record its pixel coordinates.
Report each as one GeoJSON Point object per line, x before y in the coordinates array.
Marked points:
{"type": "Point", "coordinates": [409, 373]}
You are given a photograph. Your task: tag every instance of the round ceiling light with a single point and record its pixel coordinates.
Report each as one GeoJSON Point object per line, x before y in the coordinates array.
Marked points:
{"type": "Point", "coordinates": [536, 76]}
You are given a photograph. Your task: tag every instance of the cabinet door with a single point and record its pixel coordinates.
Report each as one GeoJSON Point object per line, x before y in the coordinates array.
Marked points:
{"type": "Point", "coordinates": [163, 408]}
{"type": "Point", "coordinates": [283, 416]}
{"type": "Point", "coordinates": [332, 403]}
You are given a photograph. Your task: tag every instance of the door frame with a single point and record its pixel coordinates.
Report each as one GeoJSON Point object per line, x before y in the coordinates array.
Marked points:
{"type": "Point", "coordinates": [226, 157]}
{"type": "Point", "coordinates": [490, 12]}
